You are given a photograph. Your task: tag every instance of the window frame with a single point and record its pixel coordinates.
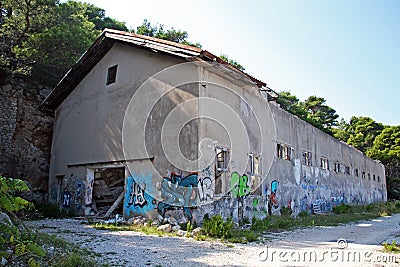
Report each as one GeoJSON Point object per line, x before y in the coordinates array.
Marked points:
{"type": "Point", "coordinates": [112, 75]}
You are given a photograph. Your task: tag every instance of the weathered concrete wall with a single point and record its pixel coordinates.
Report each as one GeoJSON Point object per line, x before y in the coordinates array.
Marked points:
{"type": "Point", "coordinates": [25, 134]}
{"type": "Point", "coordinates": [88, 129]}
{"type": "Point", "coordinates": [299, 186]}
{"type": "Point", "coordinates": [167, 129]}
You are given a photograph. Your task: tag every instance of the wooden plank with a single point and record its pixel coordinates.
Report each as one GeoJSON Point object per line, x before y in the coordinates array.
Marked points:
{"type": "Point", "coordinates": [116, 203]}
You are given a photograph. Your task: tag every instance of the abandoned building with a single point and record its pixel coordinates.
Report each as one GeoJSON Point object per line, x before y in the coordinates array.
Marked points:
{"type": "Point", "coordinates": [150, 127]}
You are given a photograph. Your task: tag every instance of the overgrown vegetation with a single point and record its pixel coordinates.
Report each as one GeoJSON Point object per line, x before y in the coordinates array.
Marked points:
{"type": "Point", "coordinates": [19, 246]}
{"type": "Point", "coordinates": [393, 247]}
{"type": "Point", "coordinates": [341, 214]}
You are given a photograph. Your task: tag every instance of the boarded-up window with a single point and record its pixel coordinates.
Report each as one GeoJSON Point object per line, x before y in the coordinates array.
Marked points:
{"type": "Point", "coordinates": [112, 74]}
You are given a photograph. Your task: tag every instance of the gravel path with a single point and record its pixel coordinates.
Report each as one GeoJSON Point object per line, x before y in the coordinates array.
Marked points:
{"type": "Point", "coordinates": [315, 246]}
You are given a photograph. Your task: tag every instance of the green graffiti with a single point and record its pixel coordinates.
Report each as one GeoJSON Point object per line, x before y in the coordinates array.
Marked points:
{"type": "Point", "coordinates": [255, 202]}
{"type": "Point", "coordinates": [239, 185]}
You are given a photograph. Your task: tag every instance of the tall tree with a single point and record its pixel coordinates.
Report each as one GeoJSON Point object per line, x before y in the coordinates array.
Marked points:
{"type": "Point", "coordinates": [363, 131]}
{"type": "Point", "coordinates": [386, 148]}
{"type": "Point", "coordinates": [45, 37]}
{"type": "Point", "coordinates": [324, 116]}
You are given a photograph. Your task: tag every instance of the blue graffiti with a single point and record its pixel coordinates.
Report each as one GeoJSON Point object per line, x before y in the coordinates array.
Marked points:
{"type": "Point", "coordinates": [177, 192]}
{"type": "Point", "coordinates": [137, 200]}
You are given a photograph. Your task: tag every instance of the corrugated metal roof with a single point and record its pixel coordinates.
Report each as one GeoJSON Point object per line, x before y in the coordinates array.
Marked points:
{"type": "Point", "coordinates": [104, 43]}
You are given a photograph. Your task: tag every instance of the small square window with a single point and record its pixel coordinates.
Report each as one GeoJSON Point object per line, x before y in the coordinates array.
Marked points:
{"type": "Point", "coordinates": [112, 75]}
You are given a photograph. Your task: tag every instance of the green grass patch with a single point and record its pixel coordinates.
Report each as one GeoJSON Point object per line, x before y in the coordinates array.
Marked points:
{"type": "Point", "coordinates": [146, 229]}
{"type": "Point", "coordinates": [342, 214]}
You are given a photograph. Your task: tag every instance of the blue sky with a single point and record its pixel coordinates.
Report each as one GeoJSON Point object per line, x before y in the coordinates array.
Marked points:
{"type": "Point", "coordinates": [347, 52]}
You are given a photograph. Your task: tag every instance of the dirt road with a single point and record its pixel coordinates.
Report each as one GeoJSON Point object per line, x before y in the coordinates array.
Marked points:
{"type": "Point", "coordinates": [360, 246]}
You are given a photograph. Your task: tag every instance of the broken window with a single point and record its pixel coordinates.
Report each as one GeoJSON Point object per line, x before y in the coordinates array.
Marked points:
{"type": "Point", "coordinates": [307, 158]}
{"type": "Point", "coordinates": [363, 175]}
{"type": "Point", "coordinates": [336, 167]}
{"type": "Point", "coordinates": [112, 75]}
{"type": "Point", "coordinates": [255, 161]}
{"type": "Point", "coordinates": [284, 151]}
{"type": "Point", "coordinates": [379, 178]}
{"type": "Point", "coordinates": [373, 177]}
{"type": "Point", "coordinates": [222, 160]}
{"type": "Point", "coordinates": [356, 172]}
{"type": "Point", "coordinates": [347, 170]}
{"type": "Point", "coordinates": [369, 176]}
{"type": "Point", "coordinates": [324, 163]}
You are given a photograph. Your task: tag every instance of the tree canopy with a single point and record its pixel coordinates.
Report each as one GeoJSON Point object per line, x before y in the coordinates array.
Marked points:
{"type": "Point", "coordinates": [44, 38]}
{"type": "Point", "coordinates": [158, 31]}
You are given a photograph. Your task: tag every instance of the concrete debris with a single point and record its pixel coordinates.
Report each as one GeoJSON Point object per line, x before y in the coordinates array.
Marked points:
{"type": "Point", "coordinates": [176, 228]}
{"type": "Point", "coordinates": [165, 228]}
{"type": "Point", "coordinates": [181, 233]}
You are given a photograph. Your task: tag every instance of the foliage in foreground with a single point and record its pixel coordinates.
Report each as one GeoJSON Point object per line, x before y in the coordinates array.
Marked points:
{"type": "Point", "coordinates": [19, 246]}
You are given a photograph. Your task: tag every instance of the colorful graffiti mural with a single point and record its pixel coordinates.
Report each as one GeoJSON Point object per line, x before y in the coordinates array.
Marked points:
{"type": "Point", "coordinates": [136, 200]}
{"type": "Point", "coordinates": [240, 185]}
{"type": "Point", "coordinates": [179, 192]}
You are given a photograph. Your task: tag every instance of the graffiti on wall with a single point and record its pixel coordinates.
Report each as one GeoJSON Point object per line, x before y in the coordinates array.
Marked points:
{"type": "Point", "coordinates": [206, 185]}
{"type": "Point", "coordinates": [178, 192]}
{"type": "Point", "coordinates": [89, 186]}
{"type": "Point", "coordinates": [66, 199]}
{"type": "Point", "coordinates": [136, 199]}
{"type": "Point", "coordinates": [240, 185]}
{"type": "Point", "coordinates": [273, 197]}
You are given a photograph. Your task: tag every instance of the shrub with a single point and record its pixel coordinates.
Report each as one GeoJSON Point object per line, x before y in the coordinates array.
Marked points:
{"type": "Point", "coordinates": [343, 208]}
{"type": "Point", "coordinates": [286, 211]}
{"type": "Point", "coordinates": [303, 214]}
{"type": "Point", "coordinates": [48, 210]}
{"type": "Point", "coordinates": [216, 227]}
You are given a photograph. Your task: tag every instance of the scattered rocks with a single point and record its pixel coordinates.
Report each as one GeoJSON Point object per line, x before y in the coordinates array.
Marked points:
{"type": "Point", "coordinates": [172, 221]}
{"type": "Point", "coordinates": [176, 228]}
{"type": "Point", "coordinates": [166, 228]}
{"type": "Point", "coordinates": [196, 231]}
{"type": "Point", "coordinates": [181, 233]}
